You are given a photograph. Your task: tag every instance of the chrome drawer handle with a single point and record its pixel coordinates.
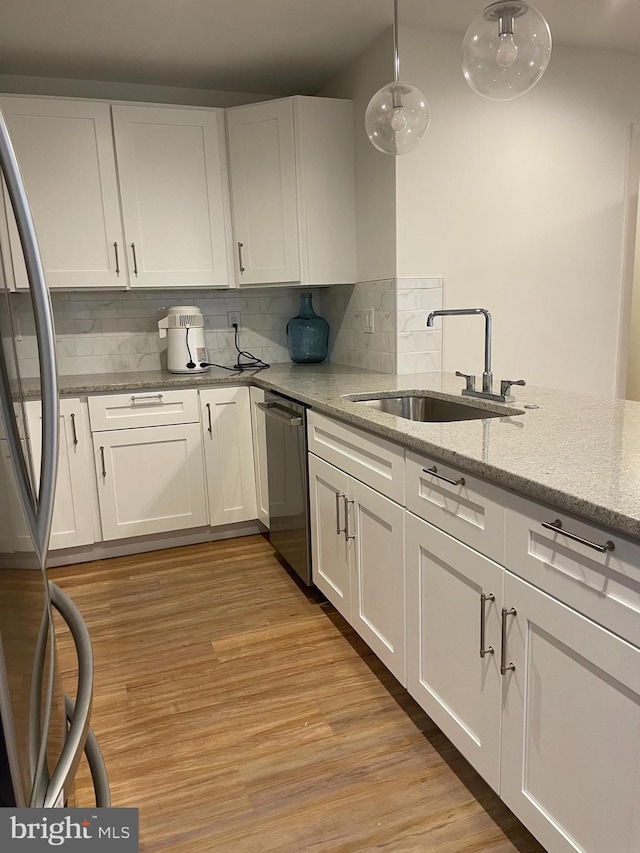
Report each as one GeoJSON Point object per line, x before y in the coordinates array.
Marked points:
{"type": "Point", "coordinates": [148, 398]}
{"type": "Point", "coordinates": [347, 534]}
{"type": "Point", "coordinates": [73, 429]}
{"type": "Point", "coordinates": [483, 599]}
{"type": "Point", "coordinates": [503, 651]}
{"type": "Point", "coordinates": [434, 473]}
{"type": "Point", "coordinates": [339, 529]}
{"type": "Point", "coordinates": [556, 526]}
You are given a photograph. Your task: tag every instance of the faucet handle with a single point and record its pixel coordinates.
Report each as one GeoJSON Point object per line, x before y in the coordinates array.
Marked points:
{"type": "Point", "coordinates": [505, 385]}
{"type": "Point", "coordinates": [470, 379]}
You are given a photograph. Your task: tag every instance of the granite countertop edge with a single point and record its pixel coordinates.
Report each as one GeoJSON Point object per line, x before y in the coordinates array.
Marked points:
{"type": "Point", "coordinates": [386, 426]}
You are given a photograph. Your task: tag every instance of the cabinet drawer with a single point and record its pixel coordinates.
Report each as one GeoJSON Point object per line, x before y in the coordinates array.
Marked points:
{"type": "Point", "coordinates": [372, 460]}
{"type": "Point", "coordinates": [144, 408]}
{"type": "Point", "coordinates": [468, 508]}
{"type": "Point", "coordinates": [605, 586]}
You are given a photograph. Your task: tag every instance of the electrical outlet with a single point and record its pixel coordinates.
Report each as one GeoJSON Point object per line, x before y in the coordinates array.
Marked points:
{"type": "Point", "coordinates": [368, 321]}
{"type": "Point", "coordinates": [233, 318]}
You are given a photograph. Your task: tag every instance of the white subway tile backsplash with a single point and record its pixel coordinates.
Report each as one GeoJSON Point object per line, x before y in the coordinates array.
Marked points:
{"type": "Point", "coordinates": [100, 332]}
{"type": "Point", "coordinates": [411, 300]}
{"type": "Point", "coordinates": [422, 341]}
{"type": "Point", "coordinates": [419, 362]}
{"type": "Point", "coordinates": [419, 283]}
{"type": "Point", "coordinates": [400, 340]}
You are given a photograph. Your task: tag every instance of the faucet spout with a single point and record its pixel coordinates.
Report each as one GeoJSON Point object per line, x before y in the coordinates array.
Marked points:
{"type": "Point", "coordinates": [487, 376]}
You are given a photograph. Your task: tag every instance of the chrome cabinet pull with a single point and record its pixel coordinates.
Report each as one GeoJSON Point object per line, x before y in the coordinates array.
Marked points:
{"type": "Point", "coordinates": [483, 600]}
{"type": "Point", "coordinates": [556, 526]}
{"type": "Point", "coordinates": [503, 651]}
{"type": "Point", "coordinates": [135, 260]}
{"type": "Point", "coordinates": [147, 398]}
{"type": "Point", "coordinates": [73, 428]}
{"type": "Point", "coordinates": [347, 534]}
{"type": "Point", "coordinates": [104, 470]}
{"type": "Point", "coordinates": [115, 249]}
{"type": "Point", "coordinates": [434, 473]}
{"type": "Point", "coordinates": [240, 245]}
{"type": "Point", "coordinates": [285, 416]}
{"type": "Point", "coordinates": [209, 428]}
{"type": "Point", "coordinates": [339, 529]}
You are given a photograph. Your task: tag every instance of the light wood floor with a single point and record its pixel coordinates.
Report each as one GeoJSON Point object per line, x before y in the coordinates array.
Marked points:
{"type": "Point", "coordinates": [242, 714]}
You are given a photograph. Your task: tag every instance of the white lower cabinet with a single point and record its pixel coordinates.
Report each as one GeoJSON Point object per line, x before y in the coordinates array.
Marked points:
{"type": "Point", "coordinates": [328, 488]}
{"type": "Point", "coordinates": [258, 428]}
{"type": "Point", "coordinates": [557, 734]}
{"type": "Point", "coordinates": [228, 454]}
{"type": "Point", "coordinates": [357, 544]}
{"type": "Point", "coordinates": [570, 727]}
{"type": "Point", "coordinates": [72, 523]}
{"type": "Point", "coordinates": [150, 480]}
{"type": "Point", "coordinates": [448, 623]}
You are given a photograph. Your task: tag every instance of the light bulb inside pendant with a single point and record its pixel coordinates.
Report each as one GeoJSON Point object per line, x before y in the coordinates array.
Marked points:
{"type": "Point", "coordinates": [507, 51]}
{"type": "Point", "coordinates": [398, 119]}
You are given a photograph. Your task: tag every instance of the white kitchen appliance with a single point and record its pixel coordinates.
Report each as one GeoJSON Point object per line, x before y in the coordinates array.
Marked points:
{"type": "Point", "coordinates": [186, 349]}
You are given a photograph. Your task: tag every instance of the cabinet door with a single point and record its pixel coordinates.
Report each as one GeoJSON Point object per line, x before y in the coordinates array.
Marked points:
{"type": "Point", "coordinates": [446, 675]}
{"type": "Point", "coordinates": [65, 151]}
{"type": "Point", "coordinates": [174, 190]}
{"type": "Point", "coordinates": [72, 522]}
{"type": "Point", "coordinates": [378, 590]}
{"type": "Point", "coordinates": [150, 480]}
{"type": "Point", "coordinates": [256, 395]}
{"type": "Point", "coordinates": [571, 727]}
{"type": "Point", "coordinates": [328, 488]}
{"type": "Point", "coordinates": [264, 192]}
{"type": "Point", "coordinates": [228, 453]}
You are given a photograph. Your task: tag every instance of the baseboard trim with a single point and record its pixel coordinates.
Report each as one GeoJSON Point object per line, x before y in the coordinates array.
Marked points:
{"type": "Point", "coordinates": [143, 544]}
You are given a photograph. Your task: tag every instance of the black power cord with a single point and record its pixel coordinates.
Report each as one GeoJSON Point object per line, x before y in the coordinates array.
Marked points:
{"type": "Point", "coordinates": [253, 363]}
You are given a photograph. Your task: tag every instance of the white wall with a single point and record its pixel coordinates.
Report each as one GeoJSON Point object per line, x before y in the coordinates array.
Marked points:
{"type": "Point", "coordinates": [375, 172]}
{"type": "Point", "coordinates": [519, 206]}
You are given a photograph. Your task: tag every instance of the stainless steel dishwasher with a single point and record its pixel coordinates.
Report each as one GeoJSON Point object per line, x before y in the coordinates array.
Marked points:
{"type": "Point", "coordinates": [286, 439]}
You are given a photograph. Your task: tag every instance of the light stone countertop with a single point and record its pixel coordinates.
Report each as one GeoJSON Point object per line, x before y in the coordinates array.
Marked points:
{"type": "Point", "coordinates": [576, 452]}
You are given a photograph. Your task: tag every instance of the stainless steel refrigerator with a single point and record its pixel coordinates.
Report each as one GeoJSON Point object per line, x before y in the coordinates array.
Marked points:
{"type": "Point", "coordinates": [43, 732]}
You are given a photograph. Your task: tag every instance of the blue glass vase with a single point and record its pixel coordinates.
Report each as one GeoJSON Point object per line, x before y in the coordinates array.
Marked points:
{"type": "Point", "coordinates": [307, 334]}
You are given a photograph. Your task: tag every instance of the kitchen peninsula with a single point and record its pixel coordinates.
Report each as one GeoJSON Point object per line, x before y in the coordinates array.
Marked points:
{"type": "Point", "coordinates": [492, 564]}
{"type": "Point", "coordinates": [577, 452]}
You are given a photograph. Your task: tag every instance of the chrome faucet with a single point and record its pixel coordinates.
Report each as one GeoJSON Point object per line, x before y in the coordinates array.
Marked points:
{"type": "Point", "coordinates": [487, 375]}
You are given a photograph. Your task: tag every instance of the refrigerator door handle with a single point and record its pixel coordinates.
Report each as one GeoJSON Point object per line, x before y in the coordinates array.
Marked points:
{"type": "Point", "coordinates": [79, 728]}
{"type": "Point", "coordinates": [95, 760]}
{"type": "Point", "coordinates": [40, 520]}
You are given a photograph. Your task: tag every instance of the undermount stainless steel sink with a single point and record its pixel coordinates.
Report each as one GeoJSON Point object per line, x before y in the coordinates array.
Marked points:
{"type": "Point", "coordinates": [416, 407]}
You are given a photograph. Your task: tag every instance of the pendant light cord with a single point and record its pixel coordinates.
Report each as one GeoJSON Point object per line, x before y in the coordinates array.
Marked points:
{"type": "Point", "coordinates": [396, 52]}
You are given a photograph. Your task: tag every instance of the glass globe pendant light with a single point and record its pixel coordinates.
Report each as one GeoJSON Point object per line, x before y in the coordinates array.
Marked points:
{"type": "Point", "coordinates": [398, 114]}
{"type": "Point", "coordinates": [506, 50]}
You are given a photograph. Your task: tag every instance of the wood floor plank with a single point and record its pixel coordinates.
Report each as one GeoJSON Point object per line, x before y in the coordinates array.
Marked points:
{"type": "Point", "coordinates": [241, 714]}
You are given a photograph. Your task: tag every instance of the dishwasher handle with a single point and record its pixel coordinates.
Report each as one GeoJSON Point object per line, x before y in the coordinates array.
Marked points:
{"type": "Point", "coordinates": [275, 410]}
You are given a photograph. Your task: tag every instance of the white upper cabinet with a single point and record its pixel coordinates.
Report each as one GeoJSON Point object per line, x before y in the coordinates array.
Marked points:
{"type": "Point", "coordinates": [293, 191]}
{"type": "Point", "coordinates": [174, 192]}
{"type": "Point", "coordinates": [264, 191]}
{"type": "Point", "coordinates": [65, 151]}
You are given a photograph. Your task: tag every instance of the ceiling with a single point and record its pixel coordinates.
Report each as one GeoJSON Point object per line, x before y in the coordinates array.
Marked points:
{"type": "Point", "coordinates": [261, 46]}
